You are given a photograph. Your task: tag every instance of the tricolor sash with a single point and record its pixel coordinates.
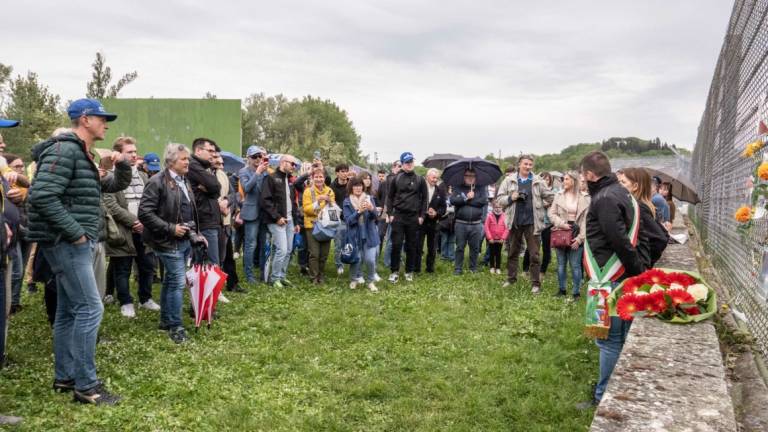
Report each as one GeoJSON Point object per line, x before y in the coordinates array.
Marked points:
{"type": "Point", "coordinates": [598, 320]}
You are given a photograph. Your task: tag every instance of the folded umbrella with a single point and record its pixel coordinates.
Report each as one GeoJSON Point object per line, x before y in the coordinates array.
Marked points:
{"type": "Point", "coordinates": [486, 172]}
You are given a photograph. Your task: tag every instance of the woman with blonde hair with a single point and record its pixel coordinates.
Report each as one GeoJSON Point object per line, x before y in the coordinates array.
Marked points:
{"type": "Point", "coordinates": [653, 237]}
{"type": "Point", "coordinates": [569, 212]}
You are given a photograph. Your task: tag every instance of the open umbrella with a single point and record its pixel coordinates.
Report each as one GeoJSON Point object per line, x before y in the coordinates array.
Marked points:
{"type": "Point", "coordinates": [487, 172]}
{"type": "Point", "coordinates": [682, 187]}
{"type": "Point", "coordinates": [440, 160]}
{"type": "Point", "coordinates": [232, 162]}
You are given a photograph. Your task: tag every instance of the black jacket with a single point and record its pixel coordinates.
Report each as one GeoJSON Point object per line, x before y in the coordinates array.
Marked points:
{"type": "Point", "coordinates": [407, 195]}
{"type": "Point", "coordinates": [339, 191]}
{"type": "Point", "coordinates": [469, 210]}
{"type": "Point", "coordinates": [207, 189]}
{"type": "Point", "coordinates": [438, 202]}
{"type": "Point", "coordinates": [652, 239]}
{"type": "Point", "coordinates": [159, 211]}
{"type": "Point", "coordinates": [272, 199]}
{"type": "Point", "coordinates": [608, 221]}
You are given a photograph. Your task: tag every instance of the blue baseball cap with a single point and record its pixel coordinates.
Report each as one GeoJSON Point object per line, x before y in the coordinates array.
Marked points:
{"type": "Point", "coordinates": [254, 150]}
{"type": "Point", "coordinates": [4, 123]}
{"type": "Point", "coordinates": [152, 161]}
{"type": "Point", "coordinates": [406, 157]}
{"type": "Point", "coordinates": [88, 107]}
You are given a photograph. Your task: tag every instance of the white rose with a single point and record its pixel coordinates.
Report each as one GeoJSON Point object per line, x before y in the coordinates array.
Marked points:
{"type": "Point", "coordinates": [657, 287]}
{"type": "Point", "coordinates": [698, 291]}
{"type": "Point", "coordinates": [675, 285]}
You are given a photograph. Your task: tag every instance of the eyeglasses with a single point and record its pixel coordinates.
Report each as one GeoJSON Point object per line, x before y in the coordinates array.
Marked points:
{"type": "Point", "coordinates": [256, 156]}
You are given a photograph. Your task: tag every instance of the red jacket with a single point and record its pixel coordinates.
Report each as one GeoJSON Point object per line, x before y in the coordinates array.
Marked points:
{"type": "Point", "coordinates": [495, 228]}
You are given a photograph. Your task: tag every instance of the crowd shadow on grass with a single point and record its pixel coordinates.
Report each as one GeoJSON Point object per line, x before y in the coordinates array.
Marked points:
{"type": "Point", "coordinates": [442, 353]}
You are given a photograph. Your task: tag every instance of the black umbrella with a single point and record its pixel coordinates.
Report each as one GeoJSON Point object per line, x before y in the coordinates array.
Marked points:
{"type": "Point", "coordinates": [487, 172]}
{"type": "Point", "coordinates": [440, 160]}
{"type": "Point", "coordinates": [232, 162]}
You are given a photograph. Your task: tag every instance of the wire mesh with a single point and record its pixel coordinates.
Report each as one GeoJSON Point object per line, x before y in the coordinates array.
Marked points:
{"type": "Point", "coordinates": [737, 102]}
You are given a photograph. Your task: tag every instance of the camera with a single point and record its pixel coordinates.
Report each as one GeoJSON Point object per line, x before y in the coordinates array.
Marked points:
{"type": "Point", "coordinates": [191, 235]}
{"type": "Point", "coordinates": [522, 196]}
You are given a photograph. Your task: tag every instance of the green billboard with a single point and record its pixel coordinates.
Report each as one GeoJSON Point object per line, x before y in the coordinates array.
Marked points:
{"type": "Point", "coordinates": [157, 122]}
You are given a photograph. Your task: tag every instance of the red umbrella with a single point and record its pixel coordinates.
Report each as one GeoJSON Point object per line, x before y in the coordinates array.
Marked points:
{"type": "Point", "coordinates": [205, 284]}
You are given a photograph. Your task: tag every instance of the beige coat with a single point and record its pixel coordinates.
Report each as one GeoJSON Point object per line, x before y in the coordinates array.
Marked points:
{"type": "Point", "coordinates": [542, 199]}
{"type": "Point", "coordinates": [558, 215]}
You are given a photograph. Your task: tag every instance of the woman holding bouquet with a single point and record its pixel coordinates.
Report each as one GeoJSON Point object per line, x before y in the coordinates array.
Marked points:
{"type": "Point", "coordinates": [569, 212]}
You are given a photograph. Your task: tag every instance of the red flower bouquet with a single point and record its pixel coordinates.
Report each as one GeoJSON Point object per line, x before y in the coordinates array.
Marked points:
{"type": "Point", "coordinates": [670, 295]}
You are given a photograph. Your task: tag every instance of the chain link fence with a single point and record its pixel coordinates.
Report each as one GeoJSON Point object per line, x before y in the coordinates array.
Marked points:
{"type": "Point", "coordinates": [737, 102]}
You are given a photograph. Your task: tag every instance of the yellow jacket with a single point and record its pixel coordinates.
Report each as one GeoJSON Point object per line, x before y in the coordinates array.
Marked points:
{"type": "Point", "coordinates": [312, 208]}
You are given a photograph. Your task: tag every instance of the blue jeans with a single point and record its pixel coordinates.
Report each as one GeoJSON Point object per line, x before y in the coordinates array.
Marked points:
{"type": "Point", "coordinates": [367, 256]}
{"type": "Point", "coordinates": [282, 244]}
{"type": "Point", "coordinates": [471, 234]}
{"type": "Point", "coordinates": [338, 242]}
{"type": "Point", "coordinates": [251, 231]}
{"type": "Point", "coordinates": [610, 349]}
{"type": "Point", "coordinates": [448, 245]}
{"type": "Point", "coordinates": [78, 312]}
{"type": "Point", "coordinates": [174, 281]}
{"type": "Point", "coordinates": [212, 235]}
{"type": "Point", "coordinates": [573, 258]}
{"type": "Point", "coordinates": [17, 273]}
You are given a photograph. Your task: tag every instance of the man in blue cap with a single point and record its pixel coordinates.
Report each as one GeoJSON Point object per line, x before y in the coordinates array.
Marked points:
{"type": "Point", "coordinates": [251, 178]}
{"type": "Point", "coordinates": [66, 220]}
{"type": "Point", "coordinates": [406, 207]}
{"type": "Point", "coordinates": [152, 163]}
{"type": "Point", "coordinates": [4, 301]}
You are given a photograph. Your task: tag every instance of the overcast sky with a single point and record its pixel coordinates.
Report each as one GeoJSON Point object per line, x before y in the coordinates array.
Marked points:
{"type": "Point", "coordinates": [468, 77]}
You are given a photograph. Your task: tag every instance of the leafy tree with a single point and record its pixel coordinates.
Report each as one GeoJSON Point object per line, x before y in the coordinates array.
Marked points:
{"type": "Point", "coordinates": [259, 114]}
{"type": "Point", "coordinates": [38, 109]}
{"type": "Point", "coordinates": [210, 95]}
{"type": "Point", "coordinates": [98, 86]}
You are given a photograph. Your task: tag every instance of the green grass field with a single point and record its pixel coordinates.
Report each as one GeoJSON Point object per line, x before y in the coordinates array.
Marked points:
{"type": "Point", "coordinates": [442, 353]}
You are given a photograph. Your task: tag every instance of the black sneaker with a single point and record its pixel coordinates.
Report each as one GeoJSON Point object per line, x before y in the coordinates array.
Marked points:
{"type": "Point", "coordinates": [15, 309]}
{"type": "Point", "coordinates": [237, 288]}
{"type": "Point", "coordinates": [97, 396]}
{"type": "Point", "coordinates": [32, 288]}
{"type": "Point", "coordinates": [178, 335]}
{"type": "Point", "coordinates": [164, 326]}
{"type": "Point", "coordinates": [63, 386]}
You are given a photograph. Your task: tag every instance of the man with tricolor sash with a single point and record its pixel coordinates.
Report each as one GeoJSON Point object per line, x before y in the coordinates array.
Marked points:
{"type": "Point", "coordinates": [610, 255]}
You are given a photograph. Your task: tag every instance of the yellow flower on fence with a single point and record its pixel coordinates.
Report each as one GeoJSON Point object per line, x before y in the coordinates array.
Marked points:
{"type": "Point", "coordinates": [752, 148]}
{"type": "Point", "coordinates": [762, 171]}
{"type": "Point", "coordinates": [743, 214]}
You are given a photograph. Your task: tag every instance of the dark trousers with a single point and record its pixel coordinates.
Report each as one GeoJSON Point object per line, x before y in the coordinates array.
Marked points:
{"type": "Point", "coordinates": [428, 232]}
{"type": "Point", "coordinates": [467, 235]}
{"type": "Point", "coordinates": [228, 265]}
{"type": "Point", "coordinates": [3, 316]}
{"type": "Point", "coordinates": [318, 254]}
{"type": "Point", "coordinates": [119, 273]}
{"type": "Point", "coordinates": [303, 252]}
{"type": "Point", "coordinates": [515, 239]}
{"type": "Point", "coordinates": [405, 230]}
{"type": "Point", "coordinates": [546, 255]}
{"type": "Point", "coordinates": [495, 255]}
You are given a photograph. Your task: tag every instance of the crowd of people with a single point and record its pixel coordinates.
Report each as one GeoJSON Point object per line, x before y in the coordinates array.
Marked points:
{"type": "Point", "coordinates": [80, 227]}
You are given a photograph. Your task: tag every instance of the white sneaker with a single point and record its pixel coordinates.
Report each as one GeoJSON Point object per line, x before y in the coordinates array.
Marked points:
{"type": "Point", "coordinates": [535, 289]}
{"type": "Point", "coordinates": [223, 299]}
{"type": "Point", "coordinates": [353, 284]}
{"type": "Point", "coordinates": [393, 278]}
{"type": "Point", "coordinates": [409, 277]}
{"type": "Point", "coordinates": [372, 287]}
{"type": "Point", "coordinates": [108, 299]}
{"type": "Point", "coordinates": [376, 277]}
{"type": "Point", "coordinates": [340, 270]}
{"type": "Point", "coordinates": [360, 280]}
{"type": "Point", "coordinates": [150, 305]}
{"type": "Point", "coordinates": [493, 271]}
{"type": "Point", "coordinates": [128, 311]}
{"type": "Point", "coordinates": [236, 255]}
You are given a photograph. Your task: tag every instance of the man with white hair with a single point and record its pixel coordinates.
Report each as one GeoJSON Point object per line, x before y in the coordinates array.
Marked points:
{"type": "Point", "coordinates": [279, 210]}
{"type": "Point", "coordinates": [436, 199]}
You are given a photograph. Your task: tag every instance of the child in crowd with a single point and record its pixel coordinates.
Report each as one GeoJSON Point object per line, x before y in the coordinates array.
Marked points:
{"type": "Point", "coordinates": [496, 233]}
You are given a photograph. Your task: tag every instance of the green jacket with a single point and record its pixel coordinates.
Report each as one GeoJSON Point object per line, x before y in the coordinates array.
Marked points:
{"type": "Point", "coordinates": [65, 196]}
{"type": "Point", "coordinates": [117, 206]}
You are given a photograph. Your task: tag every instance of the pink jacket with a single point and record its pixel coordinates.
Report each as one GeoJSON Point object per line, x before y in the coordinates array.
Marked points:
{"type": "Point", "coordinates": [495, 230]}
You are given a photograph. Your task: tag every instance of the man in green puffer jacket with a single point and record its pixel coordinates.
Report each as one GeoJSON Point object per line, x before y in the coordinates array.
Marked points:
{"type": "Point", "coordinates": [65, 218]}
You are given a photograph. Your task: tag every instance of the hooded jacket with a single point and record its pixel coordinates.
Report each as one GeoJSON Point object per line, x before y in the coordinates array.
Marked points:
{"type": "Point", "coordinates": [65, 196]}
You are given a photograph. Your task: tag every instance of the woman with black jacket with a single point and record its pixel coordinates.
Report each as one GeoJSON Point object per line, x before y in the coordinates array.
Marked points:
{"type": "Point", "coordinates": [653, 238]}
